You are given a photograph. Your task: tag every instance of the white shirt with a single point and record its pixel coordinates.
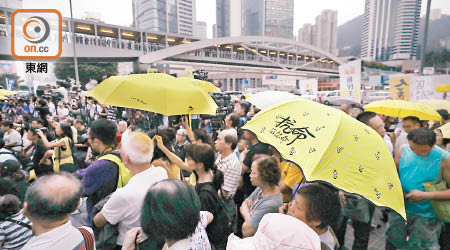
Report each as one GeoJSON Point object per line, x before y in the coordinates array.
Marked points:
{"type": "Point", "coordinates": [62, 237]}
{"type": "Point", "coordinates": [328, 239]}
{"type": "Point", "coordinates": [14, 136]}
{"type": "Point", "coordinates": [388, 142]}
{"type": "Point", "coordinates": [6, 155]}
{"type": "Point", "coordinates": [231, 168]}
{"type": "Point", "coordinates": [197, 241]}
{"type": "Point", "coordinates": [51, 107]}
{"type": "Point", "coordinates": [63, 111]}
{"type": "Point", "coordinates": [63, 91]}
{"type": "Point", "coordinates": [125, 205]}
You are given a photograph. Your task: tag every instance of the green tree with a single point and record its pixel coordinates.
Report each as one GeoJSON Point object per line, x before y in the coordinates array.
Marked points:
{"type": "Point", "coordinates": [9, 75]}
{"type": "Point", "coordinates": [437, 59]}
{"type": "Point", "coordinates": [86, 71]}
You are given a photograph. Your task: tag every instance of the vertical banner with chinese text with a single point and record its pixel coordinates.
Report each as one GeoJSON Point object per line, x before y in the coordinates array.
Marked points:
{"type": "Point", "coordinates": [399, 87]}
{"type": "Point", "coordinates": [350, 79]}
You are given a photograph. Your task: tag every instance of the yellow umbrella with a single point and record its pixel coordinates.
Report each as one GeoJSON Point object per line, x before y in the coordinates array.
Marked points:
{"type": "Point", "coordinates": [331, 146]}
{"type": "Point", "coordinates": [437, 104]}
{"type": "Point", "coordinates": [445, 129]}
{"type": "Point", "coordinates": [3, 98]}
{"type": "Point", "coordinates": [443, 88]}
{"type": "Point", "coordinates": [159, 93]}
{"type": "Point", "coordinates": [399, 108]}
{"type": "Point", "coordinates": [205, 85]}
{"type": "Point", "coordinates": [5, 92]}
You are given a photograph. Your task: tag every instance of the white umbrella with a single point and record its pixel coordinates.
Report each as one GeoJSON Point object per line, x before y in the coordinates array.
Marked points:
{"type": "Point", "coordinates": [267, 98]}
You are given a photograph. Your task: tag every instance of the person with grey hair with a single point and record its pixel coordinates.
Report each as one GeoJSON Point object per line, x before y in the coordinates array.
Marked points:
{"type": "Point", "coordinates": [227, 161]}
{"type": "Point", "coordinates": [49, 202]}
{"type": "Point", "coordinates": [180, 143]}
{"type": "Point", "coordinates": [124, 207]}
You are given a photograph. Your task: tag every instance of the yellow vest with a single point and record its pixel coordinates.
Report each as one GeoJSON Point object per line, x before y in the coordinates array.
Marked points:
{"type": "Point", "coordinates": [124, 173]}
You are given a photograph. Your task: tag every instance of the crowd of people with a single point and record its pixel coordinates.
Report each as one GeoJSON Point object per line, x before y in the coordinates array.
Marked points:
{"type": "Point", "coordinates": [75, 174]}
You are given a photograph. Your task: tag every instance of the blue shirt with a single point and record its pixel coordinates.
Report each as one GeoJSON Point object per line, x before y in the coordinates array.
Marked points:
{"type": "Point", "coordinates": [99, 180]}
{"type": "Point", "coordinates": [415, 170]}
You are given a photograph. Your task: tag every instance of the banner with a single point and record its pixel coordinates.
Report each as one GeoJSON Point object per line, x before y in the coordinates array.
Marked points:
{"type": "Point", "coordinates": [308, 86]}
{"type": "Point", "coordinates": [399, 88]}
{"type": "Point", "coordinates": [350, 79]}
{"type": "Point", "coordinates": [10, 82]}
{"type": "Point", "coordinates": [424, 87]}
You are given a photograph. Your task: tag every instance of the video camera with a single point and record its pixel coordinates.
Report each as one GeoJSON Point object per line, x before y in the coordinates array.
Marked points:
{"type": "Point", "coordinates": [225, 108]}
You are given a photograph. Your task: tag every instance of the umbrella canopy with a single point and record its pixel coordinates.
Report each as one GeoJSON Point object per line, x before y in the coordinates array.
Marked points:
{"type": "Point", "coordinates": [445, 129]}
{"type": "Point", "coordinates": [267, 98]}
{"type": "Point", "coordinates": [159, 93]}
{"type": "Point", "coordinates": [437, 104]}
{"type": "Point", "coordinates": [205, 85]}
{"type": "Point", "coordinates": [348, 101]}
{"type": "Point", "coordinates": [443, 88]}
{"type": "Point", "coordinates": [399, 108]}
{"type": "Point", "coordinates": [331, 146]}
{"type": "Point", "coordinates": [4, 92]}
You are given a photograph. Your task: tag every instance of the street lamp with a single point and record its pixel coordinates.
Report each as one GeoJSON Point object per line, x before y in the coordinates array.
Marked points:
{"type": "Point", "coordinates": [77, 78]}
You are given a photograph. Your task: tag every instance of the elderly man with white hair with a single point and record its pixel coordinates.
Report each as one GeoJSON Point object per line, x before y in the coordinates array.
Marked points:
{"type": "Point", "coordinates": [125, 205]}
{"type": "Point", "coordinates": [227, 161]}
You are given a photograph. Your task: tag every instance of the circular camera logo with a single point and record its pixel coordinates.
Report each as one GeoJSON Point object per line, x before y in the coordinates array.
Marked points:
{"type": "Point", "coordinates": [36, 29]}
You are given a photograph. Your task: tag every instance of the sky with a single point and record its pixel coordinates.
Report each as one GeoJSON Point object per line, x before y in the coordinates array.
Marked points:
{"type": "Point", "coordinates": [119, 12]}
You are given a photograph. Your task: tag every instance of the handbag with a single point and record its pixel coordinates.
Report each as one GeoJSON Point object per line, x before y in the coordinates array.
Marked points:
{"type": "Point", "coordinates": [441, 207]}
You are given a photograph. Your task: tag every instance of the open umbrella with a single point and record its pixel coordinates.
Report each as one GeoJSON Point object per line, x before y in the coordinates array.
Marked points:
{"type": "Point", "coordinates": [159, 93]}
{"type": "Point", "coordinates": [267, 98]}
{"type": "Point", "coordinates": [437, 104]}
{"type": "Point", "coordinates": [205, 85]}
{"type": "Point", "coordinates": [399, 108]}
{"type": "Point", "coordinates": [4, 92]}
{"type": "Point", "coordinates": [333, 147]}
{"type": "Point", "coordinates": [443, 88]}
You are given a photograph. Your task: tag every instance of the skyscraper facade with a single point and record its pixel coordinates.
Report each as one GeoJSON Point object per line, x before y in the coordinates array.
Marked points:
{"type": "Point", "coordinates": [323, 34]}
{"type": "Point", "coordinates": [200, 30]}
{"type": "Point", "coordinates": [229, 17]}
{"type": "Point", "coordinates": [279, 18]}
{"type": "Point", "coordinates": [255, 18]}
{"type": "Point", "coordinates": [390, 29]}
{"type": "Point", "coordinates": [165, 16]}
{"type": "Point", "coordinates": [406, 30]}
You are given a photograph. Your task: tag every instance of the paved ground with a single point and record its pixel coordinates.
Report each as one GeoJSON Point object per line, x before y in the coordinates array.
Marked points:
{"type": "Point", "coordinates": [377, 236]}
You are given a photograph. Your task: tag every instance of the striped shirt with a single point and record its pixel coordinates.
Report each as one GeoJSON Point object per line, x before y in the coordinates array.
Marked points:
{"type": "Point", "coordinates": [15, 236]}
{"type": "Point", "coordinates": [112, 113]}
{"type": "Point", "coordinates": [231, 168]}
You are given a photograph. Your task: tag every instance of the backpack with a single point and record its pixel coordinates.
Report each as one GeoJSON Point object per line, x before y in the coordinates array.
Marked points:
{"type": "Point", "coordinates": [223, 217]}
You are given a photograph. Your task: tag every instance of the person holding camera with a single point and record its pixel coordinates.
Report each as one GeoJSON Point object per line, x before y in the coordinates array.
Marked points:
{"type": "Point", "coordinates": [41, 163]}
{"type": "Point", "coordinates": [62, 148]}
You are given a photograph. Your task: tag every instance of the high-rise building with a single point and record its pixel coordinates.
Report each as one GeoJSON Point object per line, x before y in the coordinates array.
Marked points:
{"type": "Point", "coordinates": [279, 18]}
{"type": "Point", "coordinates": [255, 18]}
{"type": "Point", "coordinates": [229, 17]}
{"type": "Point", "coordinates": [305, 33]}
{"type": "Point", "coordinates": [165, 16]}
{"type": "Point", "coordinates": [435, 14]}
{"type": "Point", "coordinates": [390, 29]}
{"type": "Point", "coordinates": [214, 31]}
{"type": "Point", "coordinates": [323, 34]}
{"type": "Point", "coordinates": [326, 30]}
{"type": "Point", "coordinates": [200, 30]}
{"type": "Point", "coordinates": [12, 4]}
